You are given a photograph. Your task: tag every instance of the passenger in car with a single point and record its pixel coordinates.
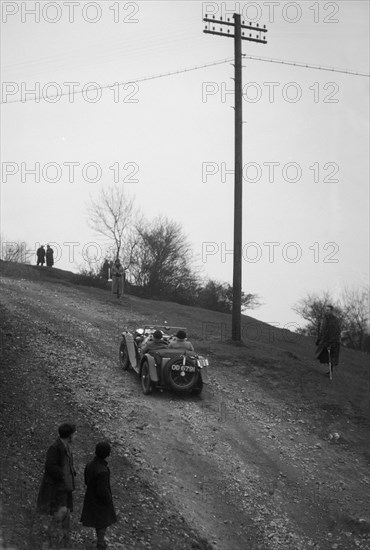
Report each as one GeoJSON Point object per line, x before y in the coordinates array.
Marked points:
{"type": "Point", "coordinates": [179, 341]}
{"type": "Point", "coordinates": [155, 343]}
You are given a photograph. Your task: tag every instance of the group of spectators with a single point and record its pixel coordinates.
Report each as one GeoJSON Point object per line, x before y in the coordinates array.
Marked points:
{"type": "Point", "coordinates": [43, 255]}
{"type": "Point", "coordinates": [55, 497]}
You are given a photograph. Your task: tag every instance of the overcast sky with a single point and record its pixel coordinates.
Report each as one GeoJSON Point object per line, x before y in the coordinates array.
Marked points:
{"type": "Point", "coordinates": [306, 134]}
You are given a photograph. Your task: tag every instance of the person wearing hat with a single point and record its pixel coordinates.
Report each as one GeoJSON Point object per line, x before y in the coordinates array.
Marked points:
{"type": "Point", "coordinates": [57, 485]}
{"type": "Point", "coordinates": [328, 337]}
{"type": "Point", "coordinates": [98, 509]}
{"type": "Point", "coordinates": [179, 341]}
{"type": "Point", "coordinates": [40, 253]}
{"type": "Point", "coordinates": [49, 256]}
{"type": "Point", "coordinates": [155, 343]}
{"type": "Point", "coordinates": [118, 275]}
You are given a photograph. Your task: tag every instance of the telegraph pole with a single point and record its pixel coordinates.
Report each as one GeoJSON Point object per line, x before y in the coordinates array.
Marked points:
{"type": "Point", "coordinates": [238, 36]}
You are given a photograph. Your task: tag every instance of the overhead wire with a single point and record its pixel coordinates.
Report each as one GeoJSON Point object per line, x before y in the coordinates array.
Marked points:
{"type": "Point", "coordinates": [304, 65]}
{"type": "Point", "coordinates": [197, 67]}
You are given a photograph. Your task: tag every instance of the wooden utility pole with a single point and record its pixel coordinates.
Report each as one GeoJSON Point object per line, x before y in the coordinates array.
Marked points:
{"type": "Point", "coordinates": [238, 36]}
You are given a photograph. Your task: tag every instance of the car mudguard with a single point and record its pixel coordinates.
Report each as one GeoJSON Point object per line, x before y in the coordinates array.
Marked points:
{"type": "Point", "coordinates": [131, 350]}
{"type": "Point", "coordinates": [204, 375]}
{"type": "Point", "coordinates": [152, 367]}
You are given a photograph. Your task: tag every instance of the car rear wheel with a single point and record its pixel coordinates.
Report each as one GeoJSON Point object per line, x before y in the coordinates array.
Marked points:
{"type": "Point", "coordinates": [123, 356]}
{"type": "Point", "coordinates": [146, 384]}
{"type": "Point", "coordinates": [181, 377]}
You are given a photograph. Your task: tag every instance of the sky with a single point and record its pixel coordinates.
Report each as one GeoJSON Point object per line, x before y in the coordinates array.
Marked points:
{"type": "Point", "coordinates": [81, 113]}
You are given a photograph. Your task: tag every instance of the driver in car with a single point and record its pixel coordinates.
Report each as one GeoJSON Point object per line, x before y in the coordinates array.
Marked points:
{"type": "Point", "coordinates": [179, 341]}
{"type": "Point", "coordinates": [155, 343]}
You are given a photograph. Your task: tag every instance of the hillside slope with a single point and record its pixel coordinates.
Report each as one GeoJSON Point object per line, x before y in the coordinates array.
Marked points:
{"type": "Point", "coordinates": [250, 464]}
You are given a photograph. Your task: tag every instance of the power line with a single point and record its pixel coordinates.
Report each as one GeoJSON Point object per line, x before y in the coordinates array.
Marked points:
{"type": "Point", "coordinates": [136, 80]}
{"type": "Point", "coordinates": [305, 65]}
{"type": "Point", "coordinates": [195, 68]}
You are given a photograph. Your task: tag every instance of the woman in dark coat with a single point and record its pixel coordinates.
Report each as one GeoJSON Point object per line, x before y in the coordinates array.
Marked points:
{"type": "Point", "coordinates": [49, 256]}
{"type": "Point", "coordinates": [98, 510]}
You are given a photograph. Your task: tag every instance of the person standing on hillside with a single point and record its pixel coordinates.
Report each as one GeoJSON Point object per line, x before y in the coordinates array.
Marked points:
{"type": "Point", "coordinates": [328, 337]}
{"type": "Point", "coordinates": [58, 483]}
{"type": "Point", "coordinates": [49, 256]}
{"type": "Point", "coordinates": [98, 509]}
{"type": "Point", "coordinates": [40, 253]}
{"type": "Point", "coordinates": [118, 278]}
{"type": "Point", "coordinates": [105, 269]}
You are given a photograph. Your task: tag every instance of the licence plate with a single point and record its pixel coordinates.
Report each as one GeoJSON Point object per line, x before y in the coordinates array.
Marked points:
{"type": "Point", "coordinates": [183, 368]}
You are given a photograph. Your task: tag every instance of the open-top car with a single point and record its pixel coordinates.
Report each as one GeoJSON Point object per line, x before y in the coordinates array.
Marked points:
{"type": "Point", "coordinates": [179, 369]}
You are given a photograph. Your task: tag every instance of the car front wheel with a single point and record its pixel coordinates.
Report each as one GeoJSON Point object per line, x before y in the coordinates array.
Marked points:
{"type": "Point", "coordinates": [123, 356]}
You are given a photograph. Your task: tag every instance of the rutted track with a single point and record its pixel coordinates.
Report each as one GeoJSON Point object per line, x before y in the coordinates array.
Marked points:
{"type": "Point", "coordinates": [241, 477]}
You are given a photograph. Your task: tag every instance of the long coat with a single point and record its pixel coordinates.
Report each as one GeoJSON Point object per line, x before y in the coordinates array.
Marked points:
{"type": "Point", "coordinates": [98, 510]}
{"type": "Point", "coordinates": [329, 335]}
{"type": "Point", "coordinates": [118, 279]}
{"type": "Point", "coordinates": [40, 255]}
{"type": "Point", "coordinates": [53, 484]}
{"type": "Point", "coordinates": [49, 257]}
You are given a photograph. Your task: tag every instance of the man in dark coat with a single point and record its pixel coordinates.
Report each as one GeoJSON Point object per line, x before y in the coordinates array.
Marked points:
{"type": "Point", "coordinates": [153, 343]}
{"type": "Point", "coordinates": [58, 483]}
{"type": "Point", "coordinates": [40, 253]}
{"type": "Point", "coordinates": [98, 510]}
{"type": "Point", "coordinates": [49, 256]}
{"type": "Point", "coordinates": [329, 336]}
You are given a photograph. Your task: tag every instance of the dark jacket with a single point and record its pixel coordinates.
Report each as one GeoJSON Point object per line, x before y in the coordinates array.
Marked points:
{"type": "Point", "coordinates": [329, 335]}
{"type": "Point", "coordinates": [153, 345]}
{"type": "Point", "coordinates": [49, 257]}
{"type": "Point", "coordinates": [53, 482]}
{"type": "Point", "coordinates": [41, 254]}
{"type": "Point", "coordinates": [98, 510]}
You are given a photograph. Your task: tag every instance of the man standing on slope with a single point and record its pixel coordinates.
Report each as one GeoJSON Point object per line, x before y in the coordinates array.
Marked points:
{"type": "Point", "coordinates": [328, 337]}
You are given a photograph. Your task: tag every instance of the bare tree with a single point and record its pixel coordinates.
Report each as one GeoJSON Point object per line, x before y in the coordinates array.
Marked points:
{"type": "Point", "coordinates": [163, 265]}
{"type": "Point", "coordinates": [311, 308]}
{"type": "Point", "coordinates": [355, 305]}
{"type": "Point", "coordinates": [219, 297]}
{"type": "Point", "coordinates": [352, 311]}
{"type": "Point", "coordinates": [15, 251]}
{"type": "Point", "coordinates": [114, 215]}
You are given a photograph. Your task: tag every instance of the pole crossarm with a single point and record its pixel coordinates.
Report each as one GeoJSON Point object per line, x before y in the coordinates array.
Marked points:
{"type": "Point", "coordinates": [250, 27]}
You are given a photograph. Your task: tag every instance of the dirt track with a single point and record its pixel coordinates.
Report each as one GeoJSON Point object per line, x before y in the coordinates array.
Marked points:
{"type": "Point", "coordinates": [236, 468]}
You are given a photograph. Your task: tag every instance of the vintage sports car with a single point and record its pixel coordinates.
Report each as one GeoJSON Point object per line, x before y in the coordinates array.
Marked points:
{"type": "Point", "coordinates": [177, 369]}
